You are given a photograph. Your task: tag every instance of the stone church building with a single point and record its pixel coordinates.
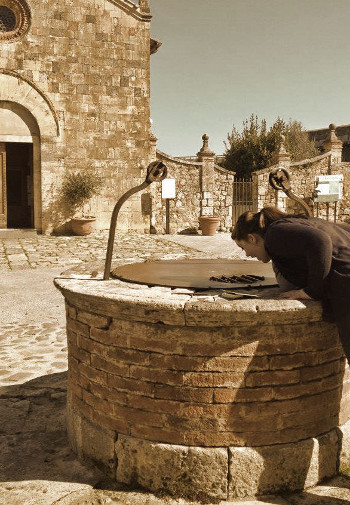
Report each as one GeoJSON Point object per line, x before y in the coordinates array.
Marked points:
{"type": "Point", "coordinates": [74, 95]}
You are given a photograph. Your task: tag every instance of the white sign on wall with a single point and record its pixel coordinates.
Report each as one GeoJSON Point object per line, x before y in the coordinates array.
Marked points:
{"type": "Point", "coordinates": [329, 188]}
{"type": "Point", "coordinates": [168, 188]}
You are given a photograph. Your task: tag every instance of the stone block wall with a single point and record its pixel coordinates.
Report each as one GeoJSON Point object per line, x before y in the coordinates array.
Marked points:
{"type": "Point", "coordinates": [185, 208]}
{"type": "Point", "coordinates": [89, 60]}
{"type": "Point", "coordinates": [343, 211]}
{"type": "Point", "coordinates": [194, 196]}
{"type": "Point", "coordinates": [302, 178]}
{"type": "Point", "coordinates": [223, 195]}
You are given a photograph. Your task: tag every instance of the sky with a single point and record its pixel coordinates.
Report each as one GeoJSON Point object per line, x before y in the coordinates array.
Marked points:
{"type": "Point", "coordinates": [223, 60]}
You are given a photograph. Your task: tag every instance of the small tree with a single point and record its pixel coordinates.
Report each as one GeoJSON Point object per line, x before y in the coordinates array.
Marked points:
{"type": "Point", "coordinates": [79, 187]}
{"type": "Point", "coordinates": [252, 149]}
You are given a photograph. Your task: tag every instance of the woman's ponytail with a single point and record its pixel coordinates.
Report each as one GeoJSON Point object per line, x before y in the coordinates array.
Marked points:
{"type": "Point", "coordinates": [258, 223]}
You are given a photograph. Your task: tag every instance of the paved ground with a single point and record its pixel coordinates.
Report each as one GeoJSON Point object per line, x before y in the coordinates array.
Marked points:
{"type": "Point", "coordinates": [37, 466]}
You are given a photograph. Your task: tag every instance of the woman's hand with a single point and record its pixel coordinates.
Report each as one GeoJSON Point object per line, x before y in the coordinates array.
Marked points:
{"type": "Point", "coordinates": [295, 294]}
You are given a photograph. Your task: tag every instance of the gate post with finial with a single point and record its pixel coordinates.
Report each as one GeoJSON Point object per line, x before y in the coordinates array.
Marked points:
{"type": "Point", "coordinates": [144, 6]}
{"type": "Point", "coordinates": [282, 159]}
{"type": "Point", "coordinates": [335, 146]}
{"type": "Point", "coordinates": [207, 157]}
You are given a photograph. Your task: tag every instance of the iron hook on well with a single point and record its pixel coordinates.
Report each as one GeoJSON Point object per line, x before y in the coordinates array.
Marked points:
{"type": "Point", "coordinates": [279, 179]}
{"type": "Point", "coordinates": [156, 172]}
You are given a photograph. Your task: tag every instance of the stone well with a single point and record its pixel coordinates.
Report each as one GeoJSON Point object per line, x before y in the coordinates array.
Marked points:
{"type": "Point", "coordinates": [202, 397]}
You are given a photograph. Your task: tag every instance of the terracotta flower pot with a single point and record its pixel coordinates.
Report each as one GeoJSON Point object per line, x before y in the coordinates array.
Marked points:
{"type": "Point", "coordinates": [208, 224]}
{"type": "Point", "coordinates": [82, 225]}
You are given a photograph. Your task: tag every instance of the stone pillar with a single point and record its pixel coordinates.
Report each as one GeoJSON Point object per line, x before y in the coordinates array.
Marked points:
{"type": "Point", "coordinates": [153, 147]}
{"type": "Point", "coordinates": [207, 157]}
{"type": "Point", "coordinates": [282, 159]}
{"type": "Point", "coordinates": [334, 145]}
{"type": "Point", "coordinates": [257, 205]}
{"type": "Point", "coordinates": [144, 6]}
{"type": "Point", "coordinates": [150, 197]}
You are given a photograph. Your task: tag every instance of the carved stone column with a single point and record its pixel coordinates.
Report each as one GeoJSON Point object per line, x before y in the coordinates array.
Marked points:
{"type": "Point", "coordinates": [282, 157]}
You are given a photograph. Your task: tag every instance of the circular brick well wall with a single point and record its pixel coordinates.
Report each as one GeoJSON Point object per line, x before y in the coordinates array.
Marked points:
{"type": "Point", "coordinates": [202, 397]}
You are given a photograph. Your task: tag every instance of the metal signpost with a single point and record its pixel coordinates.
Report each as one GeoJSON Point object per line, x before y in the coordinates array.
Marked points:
{"type": "Point", "coordinates": [168, 193]}
{"type": "Point", "coordinates": [328, 188]}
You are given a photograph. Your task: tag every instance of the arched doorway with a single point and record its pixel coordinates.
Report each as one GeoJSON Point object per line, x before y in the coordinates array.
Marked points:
{"type": "Point", "coordinates": [19, 145]}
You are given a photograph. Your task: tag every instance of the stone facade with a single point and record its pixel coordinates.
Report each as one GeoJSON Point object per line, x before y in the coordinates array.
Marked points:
{"type": "Point", "coordinates": [75, 85]}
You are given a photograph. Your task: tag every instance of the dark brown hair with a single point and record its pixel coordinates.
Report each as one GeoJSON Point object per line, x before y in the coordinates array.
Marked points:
{"type": "Point", "coordinates": [250, 222]}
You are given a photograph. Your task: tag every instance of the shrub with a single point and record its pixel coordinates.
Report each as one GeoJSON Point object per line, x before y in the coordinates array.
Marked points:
{"type": "Point", "coordinates": [79, 187]}
{"type": "Point", "coordinates": [252, 149]}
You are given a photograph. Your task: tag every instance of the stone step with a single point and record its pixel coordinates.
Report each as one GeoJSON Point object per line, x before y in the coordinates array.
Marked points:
{"type": "Point", "coordinates": [17, 233]}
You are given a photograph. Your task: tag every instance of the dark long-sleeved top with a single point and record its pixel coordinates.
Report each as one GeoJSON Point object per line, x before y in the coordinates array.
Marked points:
{"type": "Point", "coordinates": [314, 255]}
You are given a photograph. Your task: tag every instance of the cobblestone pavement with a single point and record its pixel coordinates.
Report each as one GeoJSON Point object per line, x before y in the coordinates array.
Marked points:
{"type": "Point", "coordinates": [36, 348]}
{"type": "Point", "coordinates": [49, 251]}
{"type": "Point", "coordinates": [37, 466]}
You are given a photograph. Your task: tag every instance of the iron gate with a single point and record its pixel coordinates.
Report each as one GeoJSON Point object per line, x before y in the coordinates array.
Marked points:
{"type": "Point", "coordinates": [242, 197]}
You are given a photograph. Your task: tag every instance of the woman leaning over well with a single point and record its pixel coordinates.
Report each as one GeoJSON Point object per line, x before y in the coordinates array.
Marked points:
{"type": "Point", "coordinates": [311, 258]}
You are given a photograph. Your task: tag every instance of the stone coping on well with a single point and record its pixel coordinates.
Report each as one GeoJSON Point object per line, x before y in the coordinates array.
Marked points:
{"type": "Point", "coordinates": [183, 307]}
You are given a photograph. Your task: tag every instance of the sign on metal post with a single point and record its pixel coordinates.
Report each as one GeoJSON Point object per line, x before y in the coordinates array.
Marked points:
{"type": "Point", "coordinates": [168, 188]}
{"type": "Point", "coordinates": [328, 188]}
{"type": "Point", "coordinates": [168, 193]}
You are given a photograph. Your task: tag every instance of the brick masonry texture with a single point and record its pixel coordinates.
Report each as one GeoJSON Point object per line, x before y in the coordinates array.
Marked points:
{"type": "Point", "coordinates": [199, 397]}
{"type": "Point", "coordinates": [254, 383]}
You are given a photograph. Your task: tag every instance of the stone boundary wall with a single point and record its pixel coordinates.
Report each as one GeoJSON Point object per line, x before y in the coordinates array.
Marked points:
{"type": "Point", "coordinates": [302, 183]}
{"type": "Point", "coordinates": [303, 175]}
{"type": "Point", "coordinates": [343, 213]}
{"type": "Point", "coordinates": [193, 199]}
{"type": "Point", "coordinates": [223, 196]}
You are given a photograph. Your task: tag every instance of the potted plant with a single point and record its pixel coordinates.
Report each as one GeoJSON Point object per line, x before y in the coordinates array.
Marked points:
{"type": "Point", "coordinates": [208, 224]}
{"type": "Point", "coordinates": [77, 189]}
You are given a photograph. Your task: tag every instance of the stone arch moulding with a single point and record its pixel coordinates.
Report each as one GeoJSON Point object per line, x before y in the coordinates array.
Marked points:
{"type": "Point", "coordinates": [139, 11]}
{"type": "Point", "coordinates": [15, 88]}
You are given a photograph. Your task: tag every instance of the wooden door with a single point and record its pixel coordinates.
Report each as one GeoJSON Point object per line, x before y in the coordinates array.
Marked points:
{"type": "Point", "coordinates": [19, 161]}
